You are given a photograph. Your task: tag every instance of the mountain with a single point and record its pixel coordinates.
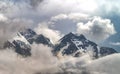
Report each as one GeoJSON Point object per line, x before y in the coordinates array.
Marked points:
{"type": "Point", "coordinates": [31, 37]}
{"type": "Point", "coordinates": [24, 39]}
{"type": "Point", "coordinates": [76, 45]}
{"type": "Point", "coordinates": [28, 34]}
{"type": "Point", "coordinates": [71, 44]}
{"type": "Point", "coordinates": [106, 51]}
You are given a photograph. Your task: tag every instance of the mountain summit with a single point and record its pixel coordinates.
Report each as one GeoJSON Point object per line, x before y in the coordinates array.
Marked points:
{"type": "Point", "coordinates": [71, 44]}
{"type": "Point", "coordinates": [24, 39]}
{"type": "Point", "coordinates": [76, 45]}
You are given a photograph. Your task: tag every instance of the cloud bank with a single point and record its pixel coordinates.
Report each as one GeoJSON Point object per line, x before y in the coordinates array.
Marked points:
{"type": "Point", "coordinates": [97, 29]}
{"type": "Point", "coordinates": [43, 28]}
{"type": "Point", "coordinates": [43, 62]}
{"type": "Point", "coordinates": [78, 12]}
{"type": "Point", "coordinates": [94, 28]}
{"type": "Point", "coordinates": [18, 14]}
{"type": "Point", "coordinates": [105, 65]}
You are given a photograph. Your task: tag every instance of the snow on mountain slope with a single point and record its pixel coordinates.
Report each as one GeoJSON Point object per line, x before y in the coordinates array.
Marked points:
{"type": "Point", "coordinates": [79, 45]}
{"type": "Point", "coordinates": [32, 37]}
{"type": "Point", "coordinates": [20, 44]}
{"type": "Point", "coordinates": [28, 34]}
{"type": "Point", "coordinates": [20, 38]}
{"type": "Point", "coordinates": [24, 39]}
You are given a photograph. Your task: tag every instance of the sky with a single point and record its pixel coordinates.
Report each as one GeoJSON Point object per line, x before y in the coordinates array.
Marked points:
{"type": "Point", "coordinates": [98, 20]}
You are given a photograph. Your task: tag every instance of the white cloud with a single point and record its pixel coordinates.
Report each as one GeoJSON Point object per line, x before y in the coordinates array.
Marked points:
{"type": "Point", "coordinates": [42, 10]}
{"type": "Point", "coordinates": [75, 17]}
{"type": "Point", "coordinates": [3, 18]}
{"type": "Point", "coordinates": [106, 65]}
{"type": "Point", "coordinates": [78, 17]}
{"type": "Point", "coordinates": [68, 6]}
{"type": "Point", "coordinates": [115, 43]}
{"type": "Point", "coordinates": [94, 28]}
{"type": "Point", "coordinates": [59, 17]}
{"type": "Point", "coordinates": [43, 28]}
{"type": "Point", "coordinates": [41, 60]}
{"type": "Point", "coordinates": [9, 27]}
{"type": "Point", "coordinates": [48, 8]}
{"type": "Point", "coordinates": [108, 7]}
{"type": "Point", "coordinates": [97, 29]}
{"type": "Point", "coordinates": [15, 16]}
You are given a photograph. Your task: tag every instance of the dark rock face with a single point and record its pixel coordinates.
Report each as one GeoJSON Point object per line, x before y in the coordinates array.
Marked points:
{"type": "Point", "coordinates": [32, 37]}
{"type": "Point", "coordinates": [19, 47]}
{"type": "Point", "coordinates": [40, 39]}
{"type": "Point", "coordinates": [23, 48]}
{"type": "Point", "coordinates": [28, 34]}
{"type": "Point", "coordinates": [79, 43]}
{"type": "Point", "coordinates": [107, 51]}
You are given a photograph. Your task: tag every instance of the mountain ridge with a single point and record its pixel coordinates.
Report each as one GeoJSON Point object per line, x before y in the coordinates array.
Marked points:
{"type": "Point", "coordinates": [75, 44]}
{"type": "Point", "coordinates": [24, 39]}
{"type": "Point", "coordinates": [78, 44]}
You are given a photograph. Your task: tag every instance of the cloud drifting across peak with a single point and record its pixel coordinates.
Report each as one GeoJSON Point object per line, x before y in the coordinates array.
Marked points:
{"type": "Point", "coordinates": [79, 14]}
{"type": "Point", "coordinates": [9, 27]}
{"type": "Point", "coordinates": [93, 27]}
{"type": "Point", "coordinates": [43, 28]}
{"type": "Point", "coordinates": [43, 62]}
{"type": "Point", "coordinates": [40, 62]}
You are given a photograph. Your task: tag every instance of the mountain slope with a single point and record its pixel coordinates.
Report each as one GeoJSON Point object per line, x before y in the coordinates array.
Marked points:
{"type": "Point", "coordinates": [106, 51]}
{"type": "Point", "coordinates": [71, 44]}
{"type": "Point", "coordinates": [22, 42]}
{"type": "Point", "coordinates": [78, 45]}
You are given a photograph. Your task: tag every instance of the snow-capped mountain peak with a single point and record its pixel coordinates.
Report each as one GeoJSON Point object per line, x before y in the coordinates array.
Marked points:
{"type": "Point", "coordinates": [71, 44]}
{"type": "Point", "coordinates": [24, 39]}
{"type": "Point", "coordinates": [21, 38]}
{"type": "Point", "coordinates": [78, 44]}
{"type": "Point", "coordinates": [71, 36]}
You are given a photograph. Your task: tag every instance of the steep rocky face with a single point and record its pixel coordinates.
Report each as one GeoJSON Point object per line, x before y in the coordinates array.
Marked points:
{"type": "Point", "coordinates": [40, 39]}
{"type": "Point", "coordinates": [19, 44]}
{"type": "Point", "coordinates": [28, 33]}
{"type": "Point", "coordinates": [32, 37]}
{"type": "Point", "coordinates": [22, 42]}
{"type": "Point", "coordinates": [107, 51]}
{"type": "Point", "coordinates": [22, 48]}
{"type": "Point", "coordinates": [75, 45]}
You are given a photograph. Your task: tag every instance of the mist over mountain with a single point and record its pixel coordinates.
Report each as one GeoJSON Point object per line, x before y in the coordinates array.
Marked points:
{"type": "Point", "coordinates": [59, 37]}
{"type": "Point", "coordinates": [34, 53]}
{"type": "Point", "coordinates": [71, 48]}
{"type": "Point", "coordinates": [71, 44]}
